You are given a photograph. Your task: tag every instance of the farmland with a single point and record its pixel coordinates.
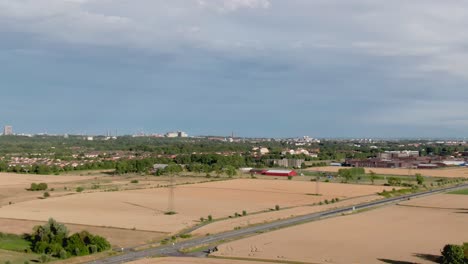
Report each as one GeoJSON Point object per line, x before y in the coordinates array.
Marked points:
{"type": "Point", "coordinates": [392, 234]}
{"type": "Point", "coordinates": [194, 261]}
{"type": "Point", "coordinates": [458, 172]}
{"type": "Point", "coordinates": [145, 209]}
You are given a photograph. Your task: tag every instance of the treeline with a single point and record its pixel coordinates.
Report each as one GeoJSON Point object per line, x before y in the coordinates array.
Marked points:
{"type": "Point", "coordinates": [200, 163]}
{"type": "Point", "coordinates": [44, 169]}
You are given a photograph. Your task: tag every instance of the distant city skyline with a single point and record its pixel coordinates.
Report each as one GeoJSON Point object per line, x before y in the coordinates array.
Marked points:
{"type": "Point", "coordinates": [263, 68]}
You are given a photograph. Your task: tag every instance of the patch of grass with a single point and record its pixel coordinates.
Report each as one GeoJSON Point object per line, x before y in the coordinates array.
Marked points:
{"type": "Point", "coordinates": [17, 258]}
{"type": "Point", "coordinates": [462, 192]}
{"type": "Point", "coordinates": [13, 243]}
{"type": "Point", "coordinates": [394, 192]}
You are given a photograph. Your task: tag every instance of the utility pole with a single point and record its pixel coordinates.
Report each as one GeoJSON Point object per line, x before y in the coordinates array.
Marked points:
{"type": "Point", "coordinates": [170, 206]}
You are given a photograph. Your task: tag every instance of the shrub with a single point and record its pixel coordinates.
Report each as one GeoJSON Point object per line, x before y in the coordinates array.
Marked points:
{"type": "Point", "coordinates": [134, 181]}
{"type": "Point", "coordinates": [101, 243]}
{"type": "Point", "coordinates": [38, 187]}
{"type": "Point", "coordinates": [244, 213]}
{"type": "Point", "coordinates": [185, 236]}
{"type": "Point", "coordinates": [93, 249]}
{"type": "Point", "coordinates": [289, 177]}
{"type": "Point", "coordinates": [453, 254]}
{"type": "Point", "coordinates": [277, 207]}
{"type": "Point", "coordinates": [7, 262]}
{"type": "Point", "coordinates": [42, 186]}
{"type": "Point", "coordinates": [419, 179]}
{"type": "Point", "coordinates": [210, 218]}
{"type": "Point", "coordinates": [76, 246]}
{"type": "Point", "coordinates": [44, 258]}
{"type": "Point", "coordinates": [63, 254]}
{"type": "Point", "coordinates": [79, 189]}
{"type": "Point", "coordinates": [46, 194]}
{"type": "Point", "coordinates": [392, 181]}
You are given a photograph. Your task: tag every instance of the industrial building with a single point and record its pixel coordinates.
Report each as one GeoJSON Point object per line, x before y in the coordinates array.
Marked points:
{"type": "Point", "coordinates": [283, 173]}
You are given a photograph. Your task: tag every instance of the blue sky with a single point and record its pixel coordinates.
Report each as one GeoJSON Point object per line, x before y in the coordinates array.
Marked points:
{"type": "Point", "coordinates": [276, 68]}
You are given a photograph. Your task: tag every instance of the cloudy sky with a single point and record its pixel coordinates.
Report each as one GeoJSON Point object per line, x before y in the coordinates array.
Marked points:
{"type": "Point", "coordinates": [324, 68]}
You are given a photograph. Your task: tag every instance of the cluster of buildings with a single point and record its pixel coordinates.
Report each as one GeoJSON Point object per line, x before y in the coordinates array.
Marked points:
{"type": "Point", "coordinates": [287, 163]}
{"type": "Point", "coordinates": [406, 159]}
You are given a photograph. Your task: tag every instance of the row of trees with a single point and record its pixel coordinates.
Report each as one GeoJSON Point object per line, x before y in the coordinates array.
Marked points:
{"type": "Point", "coordinates": [44, 169]}
{"type": "Point", "coordinates": [52, 239]}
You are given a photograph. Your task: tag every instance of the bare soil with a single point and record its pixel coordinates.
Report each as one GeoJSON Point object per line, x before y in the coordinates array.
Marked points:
{"type": "Point", "coordinates": [145, 209]}
{"type": "Point", "coordinates": [392, 234]}
{"type": "Point", "coordinates": [184, 260]}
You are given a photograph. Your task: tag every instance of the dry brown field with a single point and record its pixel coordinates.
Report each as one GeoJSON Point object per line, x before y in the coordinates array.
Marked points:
{"type": "Point", "coordinates": [183, 260]}
{"type": "Point", "coordinates": [13, 186]}
{"type": "Point", "coordinates": [144, 209]}
{"type": "Point", "coordinates": [457, 172]}
{"type": "Point", "coordinates": [391, 234]}
{"type": "Point", "coordinates": [245, 221]}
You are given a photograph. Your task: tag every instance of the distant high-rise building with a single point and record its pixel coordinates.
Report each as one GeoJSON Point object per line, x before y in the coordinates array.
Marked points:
{"type": "Point", "coordinates": [8, 130]}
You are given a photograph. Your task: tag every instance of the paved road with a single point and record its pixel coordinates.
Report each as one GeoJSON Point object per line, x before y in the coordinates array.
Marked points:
{"type": "Point", "coordinates": [173, 249]}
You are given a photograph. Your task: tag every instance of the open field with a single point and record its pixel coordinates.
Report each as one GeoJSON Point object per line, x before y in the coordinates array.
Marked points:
{"type": "Point", "coordinates": [245, 221]}
{"type": "Point", "coordinates": [392, 234]}
{"type": "Point", "coordinates": [13, 186]}
{"type": "Point", "coordinates": [171, 260]}
{"type": "Point", "coordinates": [144, 209]}
{"type": "Point", "coordinates": [458, 172]}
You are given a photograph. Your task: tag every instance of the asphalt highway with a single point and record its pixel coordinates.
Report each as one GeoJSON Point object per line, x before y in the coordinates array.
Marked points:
{"type": "Point", "coordinates": [173, 249]}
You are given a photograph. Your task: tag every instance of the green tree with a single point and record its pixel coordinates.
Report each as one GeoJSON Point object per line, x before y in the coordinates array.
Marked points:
{"type": "Point", "coordinates": [453, 254]}
{"type": "Point", "coordinates": [419, 179]}
{"type": "Point", "coordinates": [346, 174]}
{"type": "Point", "coordinates": [230, 171]}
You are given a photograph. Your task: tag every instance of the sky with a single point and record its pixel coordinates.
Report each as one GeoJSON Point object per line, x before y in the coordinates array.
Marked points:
{"type": "Point", "coordinates": [269, 68]}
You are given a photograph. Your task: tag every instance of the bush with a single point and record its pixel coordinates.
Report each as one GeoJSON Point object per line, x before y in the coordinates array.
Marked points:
{"type": "Point", "coordinates": [38, 187]}
{"type": "Point", "coordinates": [79, 189]}
{"type": "Point", "coordinates": [46, 195]}
{"type": "Point", "coordinates": [289, 177]}
{"type": "Point", "coordinates": [419, 179]}
{"type": "Point", "coordinates": [134, 181]}
{"type": "Point", "coordinates": [44, 258]}
{"type": "Point", "coordinates": [392, 181]}
{"type": "Point", "coordinates": [210, 218]}
{"type": "Point", "coordinates": [277, 207]}
{"type": "Point", "coordinates": [63, 254]}
{"type": "Point", "coordinates": [453, 254]}
{"type": "Point", "coordinates": [244, 213]}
